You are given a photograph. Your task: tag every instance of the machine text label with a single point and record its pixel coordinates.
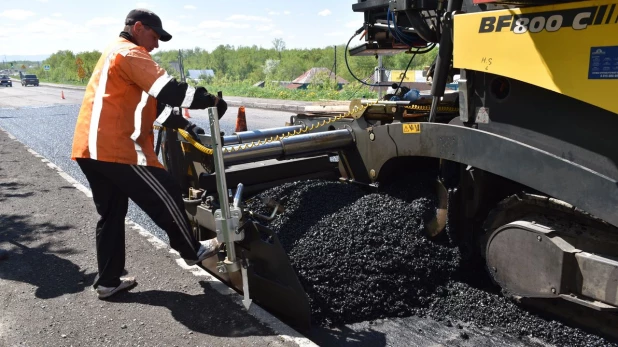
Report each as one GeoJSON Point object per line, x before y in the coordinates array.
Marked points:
{"type": "Point", "coordinates": [577, 19]}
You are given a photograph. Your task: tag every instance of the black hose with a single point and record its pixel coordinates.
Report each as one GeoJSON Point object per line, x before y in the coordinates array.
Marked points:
{"type": "Point", "coordinates": [420, 26]}
{"type": "Point", "coordinates": [345, 56]}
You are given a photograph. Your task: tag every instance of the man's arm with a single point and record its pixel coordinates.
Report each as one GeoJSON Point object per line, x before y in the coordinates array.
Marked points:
{"type": "Point", "coordinates": [171, 118]}
{"type": "Point", "coordinates": [146, 73]}
{"type": "Point", "coordinates": [139, 67]}
{"type": "Point", "coordinates": [180, 94]}
{"type": "Point", "coordinates": [168, 118]}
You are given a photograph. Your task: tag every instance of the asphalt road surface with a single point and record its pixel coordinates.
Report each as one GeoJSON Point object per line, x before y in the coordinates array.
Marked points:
{"type": "Point", "coordinates": [41, 119]}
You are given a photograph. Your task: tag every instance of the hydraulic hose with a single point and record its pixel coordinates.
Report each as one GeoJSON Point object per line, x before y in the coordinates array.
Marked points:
{"type": "Point", "coordinates": [420, 26]}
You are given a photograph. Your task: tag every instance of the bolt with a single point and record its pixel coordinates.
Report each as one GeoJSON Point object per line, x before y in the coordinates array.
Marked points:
{"type": "Point", "coordinates": [538, 238]}
{"type": "Point", "coordinates": [553, 290]}
{"type": "Point", "coordinates": [372, 136]}
{"type": "Point", "coordinates": [533, 222]}
{"type": "Point", "coordinates": [394, 109]}
{"type": "Point", "coordinates": [372, 173]}
{"type": "Point", "coordinates": [237, 231]}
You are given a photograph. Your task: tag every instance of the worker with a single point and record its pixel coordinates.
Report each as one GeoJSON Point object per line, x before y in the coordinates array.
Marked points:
{"type": "Point", "coordinates": [390, 91]}
{"type": "Point", "coordinates": [113, 145]}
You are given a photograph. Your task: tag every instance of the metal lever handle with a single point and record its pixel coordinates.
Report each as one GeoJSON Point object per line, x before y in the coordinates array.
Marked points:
{"type": "Point", "coordinates": [238, 195]}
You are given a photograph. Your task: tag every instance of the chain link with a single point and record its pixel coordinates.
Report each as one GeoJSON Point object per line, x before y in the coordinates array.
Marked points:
{"type": "Point", "coordinates": [428, 108]}
{"type": "Point", "coordinates": [241, 147]}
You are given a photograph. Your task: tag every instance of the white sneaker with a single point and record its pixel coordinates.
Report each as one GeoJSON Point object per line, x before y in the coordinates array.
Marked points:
{"type": "Point", "coordinates": [208, 248]}
{"type": "Point", "coordinates": [125, 283]}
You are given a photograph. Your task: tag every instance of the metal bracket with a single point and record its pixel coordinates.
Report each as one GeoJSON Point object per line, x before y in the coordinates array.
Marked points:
{"type": "Point", "coordinates": [231, 226]}
{"type": "Point", "coordinates": [228, 266]}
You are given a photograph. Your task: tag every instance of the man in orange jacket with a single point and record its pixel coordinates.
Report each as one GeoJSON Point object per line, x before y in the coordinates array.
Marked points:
{"type": "Point", "coordinates": [114, 146]}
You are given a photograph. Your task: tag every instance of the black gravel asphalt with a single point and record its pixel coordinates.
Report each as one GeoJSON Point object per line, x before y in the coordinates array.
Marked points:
{"type": "Point", "coordinates": [47, 238]}
{"type": "Point", "coordinates": [362, 256]}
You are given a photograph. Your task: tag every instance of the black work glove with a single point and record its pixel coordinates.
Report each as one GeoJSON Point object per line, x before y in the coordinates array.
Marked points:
{"type": "Point", "coordinates": [194, 130]}
{"type": "Point", "coordinates": [221, 107]}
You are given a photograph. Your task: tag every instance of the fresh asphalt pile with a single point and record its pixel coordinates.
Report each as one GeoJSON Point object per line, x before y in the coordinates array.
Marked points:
{"type": "Point", "coordinates": [459, 301]}
{"type": "Point", "coordinates": [362, 255]}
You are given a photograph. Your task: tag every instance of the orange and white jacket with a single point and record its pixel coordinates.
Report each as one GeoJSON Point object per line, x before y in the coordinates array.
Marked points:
{"type": "Point", "coordinates": [121, 103]}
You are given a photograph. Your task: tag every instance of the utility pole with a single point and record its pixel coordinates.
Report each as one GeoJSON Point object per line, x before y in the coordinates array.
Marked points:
{"type": "Point", "coordinates": [334, 69]}
{"type": "Point", "coordinates": [181, 67]}
{"type": "Point", "coordinates": [379, 74]}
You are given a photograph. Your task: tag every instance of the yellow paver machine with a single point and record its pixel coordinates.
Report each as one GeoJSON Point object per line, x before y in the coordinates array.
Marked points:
{"type": "Point", "coordinates": [525, 151]}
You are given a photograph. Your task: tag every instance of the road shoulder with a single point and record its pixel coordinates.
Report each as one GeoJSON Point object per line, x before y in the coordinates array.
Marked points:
{"type": "Point", "coordinates": [47, 228]}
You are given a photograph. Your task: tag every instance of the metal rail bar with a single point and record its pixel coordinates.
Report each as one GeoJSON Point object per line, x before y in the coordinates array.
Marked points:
{"type": "Point", "coordinates": [296, 146]}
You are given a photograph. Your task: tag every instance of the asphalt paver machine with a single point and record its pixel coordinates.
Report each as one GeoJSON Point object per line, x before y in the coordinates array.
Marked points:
{"type": "Point", "coordinates": [525, 151]}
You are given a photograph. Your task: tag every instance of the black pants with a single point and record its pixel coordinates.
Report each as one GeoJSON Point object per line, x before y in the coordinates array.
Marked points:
{"type": "Point", "coordinates": [155, 191]}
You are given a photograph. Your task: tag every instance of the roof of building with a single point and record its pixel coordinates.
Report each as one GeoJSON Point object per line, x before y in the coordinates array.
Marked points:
{"type": "Point", "coordinates": [195, 74]}
{"type": "Point", "coordinates": [420, 83]}
{"type": "Point", "coordinates": [309, 75]}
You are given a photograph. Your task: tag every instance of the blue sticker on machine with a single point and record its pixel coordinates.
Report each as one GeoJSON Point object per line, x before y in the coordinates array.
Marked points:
{"type": "Point", "coordinates": [603, 63]}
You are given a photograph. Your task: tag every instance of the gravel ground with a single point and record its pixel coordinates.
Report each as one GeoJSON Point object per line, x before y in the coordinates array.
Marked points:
{"type": "Point", "coordinates": [362, 256]}
{"type": "Point", "coordinates": [459, 301]}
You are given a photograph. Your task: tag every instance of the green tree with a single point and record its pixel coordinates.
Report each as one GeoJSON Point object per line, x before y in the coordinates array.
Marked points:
{"type": "Point", "coordinates": [219, 61]}
{"type": "Point", "coordinates": [279, 46]}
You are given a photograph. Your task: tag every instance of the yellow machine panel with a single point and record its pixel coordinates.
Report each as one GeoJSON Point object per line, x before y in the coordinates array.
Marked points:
{"type": "Point", "coordinates": [569, 48]}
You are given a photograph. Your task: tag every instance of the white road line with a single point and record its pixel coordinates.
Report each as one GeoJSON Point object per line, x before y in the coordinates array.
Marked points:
{"type": "Point", "coordinates": [283, 330]}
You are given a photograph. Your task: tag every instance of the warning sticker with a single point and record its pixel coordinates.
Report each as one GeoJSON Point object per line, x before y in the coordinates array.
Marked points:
{"type": "Point", "coordinates": [603, 63]}
{"type": "Point", "coordinates": [412, 128]}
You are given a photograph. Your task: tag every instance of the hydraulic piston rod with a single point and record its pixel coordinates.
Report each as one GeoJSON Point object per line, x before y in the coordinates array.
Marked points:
{"type": "Point", "coordinates": [290, 147]}
{"type": "Point", "coordinates": [383, 103]}
{"type": "Point", "coordinates": [249, 136]}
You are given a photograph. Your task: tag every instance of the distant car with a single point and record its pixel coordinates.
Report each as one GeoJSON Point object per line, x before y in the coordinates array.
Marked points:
{"type": "Point", "coordinates": [6, 81]}
{"type": "Point", "coordinates": [30, 79]}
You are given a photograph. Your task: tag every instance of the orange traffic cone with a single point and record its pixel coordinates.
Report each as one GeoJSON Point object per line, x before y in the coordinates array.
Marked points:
{"type": "Point", "coordinates": [241, 120]}
{"type": "Point", "coordinates": [187, 113]}
{"type": "Point", "coordinates": [62, 94]}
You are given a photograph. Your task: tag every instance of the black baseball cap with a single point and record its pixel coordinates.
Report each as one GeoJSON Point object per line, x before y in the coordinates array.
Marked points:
{"type": "Point", "coordinates": [150, 19]}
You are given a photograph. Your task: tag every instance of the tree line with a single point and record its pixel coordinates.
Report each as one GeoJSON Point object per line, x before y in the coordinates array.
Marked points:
{"type": "Point", "coordinates": [243, 65]}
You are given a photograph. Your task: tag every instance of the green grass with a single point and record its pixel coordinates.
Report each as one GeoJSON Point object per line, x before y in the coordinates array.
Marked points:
{"type": "Point", "coordinates": [312, 93]}
{"type": "Point", "coordinates": [71, 83]}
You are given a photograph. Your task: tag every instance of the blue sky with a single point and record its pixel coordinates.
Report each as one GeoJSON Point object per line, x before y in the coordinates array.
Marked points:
{"type": "Point", "coordinates": [42, 27]}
